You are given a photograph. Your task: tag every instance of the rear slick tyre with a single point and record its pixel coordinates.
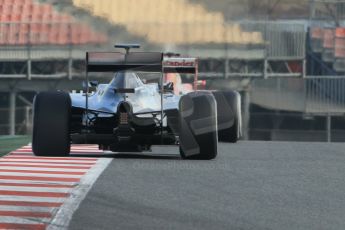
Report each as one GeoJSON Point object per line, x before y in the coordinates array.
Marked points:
{"type": "Point", "coordinates": [51, 124]}
{"type": "Point", "coordinates": [198, 126]}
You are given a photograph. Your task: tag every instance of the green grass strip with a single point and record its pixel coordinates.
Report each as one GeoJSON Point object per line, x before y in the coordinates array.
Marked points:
{"type": "Point", "coordinates": [10, 143]}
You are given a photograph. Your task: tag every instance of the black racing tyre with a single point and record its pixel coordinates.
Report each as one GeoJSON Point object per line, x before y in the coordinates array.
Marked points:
{"type": "Point", "coordinates": [198, 126]}
{"type": "Point", "coordinates": [228, 115]}
{"type": "Point", "coordinates": [51, 124]}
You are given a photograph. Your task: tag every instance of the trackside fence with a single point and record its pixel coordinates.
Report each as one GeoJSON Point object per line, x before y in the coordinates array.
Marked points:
{"type": "Point", "coordinates": [320, 95]}
{"type": "Point", "coordinates": [23, 120]}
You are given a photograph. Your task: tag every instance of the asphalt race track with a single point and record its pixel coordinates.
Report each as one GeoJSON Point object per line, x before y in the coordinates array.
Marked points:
{"type": "Point", "coordinates": [251, 185]}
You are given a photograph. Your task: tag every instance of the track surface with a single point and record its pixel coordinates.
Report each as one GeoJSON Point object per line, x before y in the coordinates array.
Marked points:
{"type": "Point", "coordinates": [251, 185]}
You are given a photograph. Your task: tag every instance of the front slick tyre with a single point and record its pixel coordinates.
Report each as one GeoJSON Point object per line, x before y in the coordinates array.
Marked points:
{"type": "Point", "coordinates": [198, 126]}
{"type": "Point", "coordinates": [51, 124]}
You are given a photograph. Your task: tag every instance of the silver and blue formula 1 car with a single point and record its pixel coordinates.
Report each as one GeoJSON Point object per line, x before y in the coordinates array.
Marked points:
{"type": "Point", "coordinates": [128, 115]}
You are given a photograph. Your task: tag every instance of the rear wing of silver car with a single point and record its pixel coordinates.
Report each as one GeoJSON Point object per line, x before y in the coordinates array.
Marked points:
{"type": "Point", "coordinates": [117, 61]}
{"type": "Point", "coordinates": [139, 61]}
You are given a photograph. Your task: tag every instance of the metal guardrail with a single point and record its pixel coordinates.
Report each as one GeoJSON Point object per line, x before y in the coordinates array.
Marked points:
{"type": "Point", "coordinates": [296, 135]}
{"type": "Point", "coordinates": [285, 40]}
{"type": "Point", "coordinates": [325, 96]}
{"type": "Point", "coordinates": [331, 12]}
{"type": "Point", "coordinates": [318, 95]}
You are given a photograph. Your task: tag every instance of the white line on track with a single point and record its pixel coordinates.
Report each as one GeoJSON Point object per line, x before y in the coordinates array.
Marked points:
{"type": "Point", "coordinates": [39, 175]}
{"type": "Point", "coordinates": [42, 164]}
{"type": "Point", "coordinates": [84, 155]}
{"type": "Point", "coordinates": [5, 159]}
{"type": "Point", "coordinates": [40, 182]}
{"type": "Point", "coordinates": [64, 215]}
{"type": "Point", "coordinates": [26, 208]}
{"type": "Point", "coordinates": [34, 189]}
{"type": "Point", "coordinates": [18, 153]}
{"type": "Point", "coordinates": [57, 158]}
{"type": "Point", "coordinates": [18, 220]}
{"type": "Point", "coordinates": [31, 198]}
{"type": "Point", "coordinates": [78, 157]}
{"type": "Point", "coordinates": [72, 147]}
{"type": "Point", "coordinates": [44, 169]}
{"type": "Point", "coordinates": [36, 220]}
{"type": "Point", "coordinates": [72, 152]}
{"type": "Point", "coordinates": [28, 150]}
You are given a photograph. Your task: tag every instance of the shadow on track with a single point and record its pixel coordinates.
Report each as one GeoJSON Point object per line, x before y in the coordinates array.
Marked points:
{"type": "Point", "coordinates": [123, 155]}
